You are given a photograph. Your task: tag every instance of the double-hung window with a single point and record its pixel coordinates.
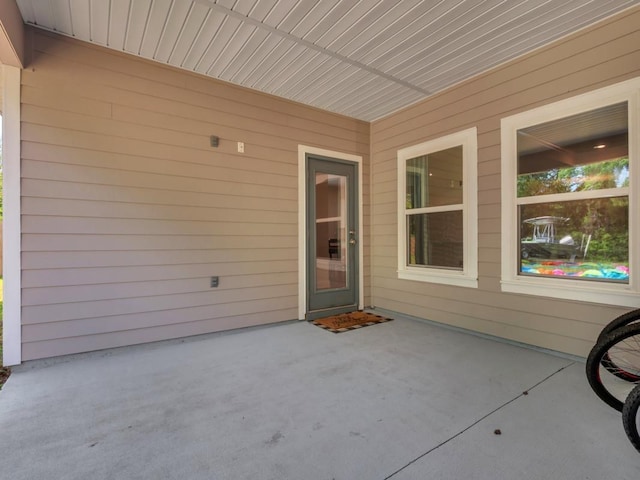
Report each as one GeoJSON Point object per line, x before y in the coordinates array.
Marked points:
{"type": "Point", "coordinates": [437, 220]}
{"type": "Point", "coordinates": [570, 214]}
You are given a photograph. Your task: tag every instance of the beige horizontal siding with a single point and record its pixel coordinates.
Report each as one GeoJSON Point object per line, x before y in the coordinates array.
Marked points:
{"type": "Point", "coordinates": [49, 295]}
{"type": "Point", "coordinates": [100, 275]}
{"type": "Point", "coordinates": [265, 314]}
{"type": "Point", "coordinates": [604, 54]}
{"type": "Point", "coordinates": [127, 210]}
{"type": "Point", "coordinates": [83, 243]}
{"type": "Point", "coordinates": [120, 308]}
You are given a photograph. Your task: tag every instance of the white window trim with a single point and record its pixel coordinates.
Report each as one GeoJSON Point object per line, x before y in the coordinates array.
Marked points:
{"type": "Point", "coordinates": [468, 276]}
{"type": "Point", "coordinates": [592, 291]}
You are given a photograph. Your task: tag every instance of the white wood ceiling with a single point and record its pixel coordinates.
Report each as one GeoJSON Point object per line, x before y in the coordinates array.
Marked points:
{"type": "Point", "coordinates": [365, 59]}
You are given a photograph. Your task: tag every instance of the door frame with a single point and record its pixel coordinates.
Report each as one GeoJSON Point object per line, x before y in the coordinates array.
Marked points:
{"type": "Point", "coordinates": [303, 151]}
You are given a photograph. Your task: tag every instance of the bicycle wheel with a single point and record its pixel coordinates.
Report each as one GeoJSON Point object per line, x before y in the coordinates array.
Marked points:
{"type": "Point", "coordinates": [620, 321]}
{"type": "Point", "coordinates": [619, 352]}
{"type": "Point", "coordinates": [631, 417]}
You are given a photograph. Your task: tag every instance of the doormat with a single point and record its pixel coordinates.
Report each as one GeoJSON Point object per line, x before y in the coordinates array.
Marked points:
{"type": "Point", "coordinates": [349, 321]}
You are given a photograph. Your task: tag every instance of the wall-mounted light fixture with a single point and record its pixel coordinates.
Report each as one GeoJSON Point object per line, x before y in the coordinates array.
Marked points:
{"type": "Point", "coordinates": [214, 140]}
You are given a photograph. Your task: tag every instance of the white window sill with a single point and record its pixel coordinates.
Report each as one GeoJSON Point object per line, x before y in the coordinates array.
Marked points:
{"type": "Point", "coordinates": [608, 294]}
{"type": "Point", "coordinates": [458, 279]}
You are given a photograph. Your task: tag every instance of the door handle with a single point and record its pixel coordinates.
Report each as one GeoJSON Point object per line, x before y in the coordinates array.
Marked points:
{"type": "Point", "coordinates": [352, 240]}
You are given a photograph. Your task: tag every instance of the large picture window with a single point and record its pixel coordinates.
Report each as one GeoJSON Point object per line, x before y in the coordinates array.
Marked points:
{"type": "Point", "coordinates": [436, 210]}
{"type": "Point", "coordinates": [569, 217]}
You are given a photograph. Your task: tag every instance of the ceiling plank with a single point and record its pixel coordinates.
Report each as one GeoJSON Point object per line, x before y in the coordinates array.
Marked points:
{"type": "Point", "coordinates": [203, 41]}
{"type": "Point", "coordinates": [138, 17]}
{"type": "Point", "coordinates": [173, 28]}
{"type": "Point", "coordinates": [101, 26]}
{"type": "Point", "coordinates": [80, 19]}
{"type": "Point", "coordinates": [364, 59]}
{"type": "Point", "coordinates": [158, 16]}
{"type": "Point", "coordinates": [61, 11]}
{"type": "Point", "coordinates": [218, 44]}
{"type": "Point", "coordinates": [190, 31]}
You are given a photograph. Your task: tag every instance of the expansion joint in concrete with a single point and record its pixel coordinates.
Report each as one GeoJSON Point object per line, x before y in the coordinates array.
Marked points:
{"type": "Point", "coordinates": [484, 417]}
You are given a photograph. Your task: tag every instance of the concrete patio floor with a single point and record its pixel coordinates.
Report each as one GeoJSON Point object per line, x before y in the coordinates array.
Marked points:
{"type": "Point", "coordinates": [400, 400]}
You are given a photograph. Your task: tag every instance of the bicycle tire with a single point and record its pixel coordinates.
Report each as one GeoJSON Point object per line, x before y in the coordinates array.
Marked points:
{"type": "Point", "coordinates": [618, 350]}
{"type": "Point", "coordinates": [620, 321]}
{"type": "Point", "coordinates": [631, 417]}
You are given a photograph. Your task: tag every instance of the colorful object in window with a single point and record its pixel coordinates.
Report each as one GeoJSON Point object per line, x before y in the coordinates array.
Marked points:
{"type": "Point", "coordinates": [602, 271]}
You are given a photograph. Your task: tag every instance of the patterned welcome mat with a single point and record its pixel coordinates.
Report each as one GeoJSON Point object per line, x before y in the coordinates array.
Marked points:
{"type": "Point", "coordinates": [349, 321]}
